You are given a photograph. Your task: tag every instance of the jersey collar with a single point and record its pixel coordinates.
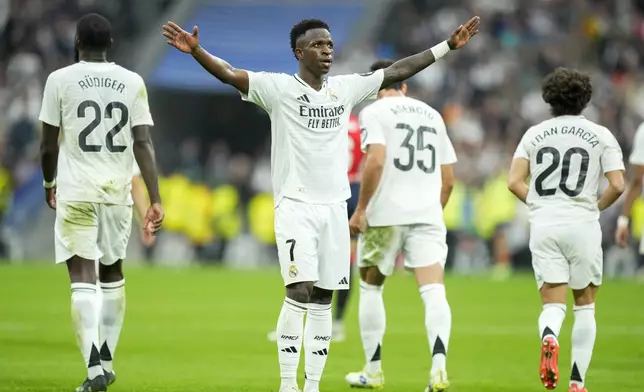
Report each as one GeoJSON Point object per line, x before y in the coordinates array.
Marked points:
{"type": "Point", "coordinates": [302, 82]}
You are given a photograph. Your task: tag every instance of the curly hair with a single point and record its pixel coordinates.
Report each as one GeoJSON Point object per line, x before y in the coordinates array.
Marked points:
{"type": "Point", "coordinates": [567, 91]}
{"type": "Point", "coordinates": [303, 26]}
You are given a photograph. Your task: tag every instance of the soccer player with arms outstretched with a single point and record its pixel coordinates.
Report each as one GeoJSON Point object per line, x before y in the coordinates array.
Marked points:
{"type": "Point", "coordinates": [565, 158]}
{"type": "Point", "coordinates": [309, 120]}
{"type": "Point", "coordinates": [408, 153]}
{"type": "Point", "coordinates": [100, 112]}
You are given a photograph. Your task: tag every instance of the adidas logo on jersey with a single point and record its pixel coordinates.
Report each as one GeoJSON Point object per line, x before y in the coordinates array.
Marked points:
{"type": "Point", "coordinates": [303, 98]}
{"type": "Point", "coordinates": [344, 281]}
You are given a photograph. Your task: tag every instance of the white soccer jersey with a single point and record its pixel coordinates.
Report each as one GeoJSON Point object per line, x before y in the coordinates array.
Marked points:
{"type": "Point", "coordinates": [637, 155]}
{"type": "Point", "coordinates": [417, 144]}
{"type": "Point", "coordinates": [309, 131]}
{"type": "Point", "coordinates": [96, 105]}
{"type": "Point", "coordinates": [568, 156]}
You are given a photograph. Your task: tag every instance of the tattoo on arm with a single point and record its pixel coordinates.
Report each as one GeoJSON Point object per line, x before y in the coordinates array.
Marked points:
{"type": "Point", "coordinates": [407, 67]}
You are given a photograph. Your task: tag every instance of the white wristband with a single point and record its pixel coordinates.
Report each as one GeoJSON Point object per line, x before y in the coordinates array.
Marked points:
{"type": "Point", "coordinates": [440, 50]}
{"type": "Point", "coordinates": [622, 221]}
{"type": "Point", "coordinates": [49, 185]}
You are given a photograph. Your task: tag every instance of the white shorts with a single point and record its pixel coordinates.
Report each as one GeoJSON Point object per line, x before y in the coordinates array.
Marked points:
{"type": "Point", "coordinates": [313, 243]}
{"type": "Point", "coordinates": [92, 231]}
{"type": "Point", "coordinates": [422, 245]}
{"type": "Point", "coordinates": [569, 254]}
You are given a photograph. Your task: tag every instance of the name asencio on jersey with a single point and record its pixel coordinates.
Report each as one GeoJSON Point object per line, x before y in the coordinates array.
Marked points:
{"type": "Point", "coordinates": [581, 133]}
{"type": "Point", "coordinates": [94, 81]}
{"type": "Point", "coordinates": [322, 117]}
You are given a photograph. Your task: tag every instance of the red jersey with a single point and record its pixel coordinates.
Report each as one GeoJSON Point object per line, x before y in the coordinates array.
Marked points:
{"type": "Point", "coordinates": [355, 152]}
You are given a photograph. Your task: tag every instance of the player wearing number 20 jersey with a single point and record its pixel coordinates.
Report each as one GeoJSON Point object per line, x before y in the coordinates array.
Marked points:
{"type": "Point", "coordinates": [565, 158]}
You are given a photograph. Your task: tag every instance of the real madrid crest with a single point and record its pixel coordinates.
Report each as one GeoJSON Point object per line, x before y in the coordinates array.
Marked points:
{"type": "Point", "coordinates": [333, 96]}
{"type": "Point", "coordinates": [292, 271]}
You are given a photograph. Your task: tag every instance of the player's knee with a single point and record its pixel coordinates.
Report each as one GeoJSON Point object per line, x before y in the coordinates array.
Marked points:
{"type": "Point", "coordinates": [585, 296]}
{"type": "Point", "coordinates": [321, 296]}
{"type": "Point", "coordinates": [300, 292]}
{"type": "Point", "coordinates": [431, 274]}
{"type": "Point", "coordinates": [372, 276]}
{"type": "Point", "coordinates": [111, 273]}
{"type": "Point", "coordinates": [81, 270]}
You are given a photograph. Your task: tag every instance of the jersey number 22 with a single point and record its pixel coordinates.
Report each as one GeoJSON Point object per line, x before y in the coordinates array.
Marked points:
{"type": "Point", "coordinates": [109, 138]}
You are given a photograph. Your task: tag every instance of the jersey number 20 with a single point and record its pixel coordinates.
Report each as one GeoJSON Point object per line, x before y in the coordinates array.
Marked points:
{"type": "Point", "coordinates": [109, 138]}
{"type": "Point", "coordinates": [420, 145]}
{"type": "Point", "coordinates": [565, 171]}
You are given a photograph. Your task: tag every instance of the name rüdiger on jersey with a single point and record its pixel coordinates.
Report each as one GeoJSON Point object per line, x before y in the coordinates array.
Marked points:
{"type": "Point", "coordinates": [322, 117]}
{"type": "Point", "coordinates": [90, 81]}
{"type": "Point", "coordinates": [565, 130]}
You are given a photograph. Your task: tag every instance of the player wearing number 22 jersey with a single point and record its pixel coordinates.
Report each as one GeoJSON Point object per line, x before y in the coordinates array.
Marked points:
{"type": "Point", "coordinates": [96, 122]}
{"type": "Point", "coordinates": [565, 158]}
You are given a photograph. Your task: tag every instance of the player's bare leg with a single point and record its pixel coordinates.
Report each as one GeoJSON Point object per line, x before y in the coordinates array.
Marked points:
{"type": "Point", "coordinates": [317, 337]}
{"type": "Point", "coordinates": [553, 297]}
{"type": "Point", "coordinates": [342, 300]}
{"type": "Point", "coordinates": [372, 320]}
{"type": "Point", "coordinates": [82, 274]}
{"type": "Point", "coordinates": [112, 314]}
{"type": "Point", "coordinates": [584, 331]}
{"type": "Point", "coordinates": [438, 321]}
{"type": "Point", "coordinates": [501, 254]}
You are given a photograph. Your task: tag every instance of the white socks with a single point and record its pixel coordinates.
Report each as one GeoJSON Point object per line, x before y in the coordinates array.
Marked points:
{"type": "Point", "coordinates": [290, 327]}
{"type": "Point", "coordinates": [112, 314]}
{"type": "Point", "coordinates": [551, 319]}
{"type": "Point", "coordinates": [317, 338]}
{"type": "Point", "coordinates": [584, 331]}
{"type": "Point", "coordinates": [438, 321]}
{"type": "Point", "coordinates": [372, 325]}
{"type": "Point", "coordinates": [85, 320]}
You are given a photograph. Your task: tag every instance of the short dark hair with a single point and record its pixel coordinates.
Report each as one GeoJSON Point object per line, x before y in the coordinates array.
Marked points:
{"type": "Point", "coordinates": [303, 26]}
{"type": "Point", "coordinates": [386, 63]}
{"type": "Point", "coordinates": [567, 91]}
{"type": "Point", "coordinates": [94, 32]}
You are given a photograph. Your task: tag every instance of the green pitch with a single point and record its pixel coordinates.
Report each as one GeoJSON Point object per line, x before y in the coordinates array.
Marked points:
{"type": "Point", "coordinates": [205, 330]}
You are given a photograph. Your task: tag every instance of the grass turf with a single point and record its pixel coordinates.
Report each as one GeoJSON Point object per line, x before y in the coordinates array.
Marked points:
{"type": "Point", "coordinates": [205, 330]}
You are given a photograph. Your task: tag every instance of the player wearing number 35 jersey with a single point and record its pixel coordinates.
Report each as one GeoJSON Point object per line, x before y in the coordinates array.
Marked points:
{"type": "Point", "coordinates": [96, 122]}
{"type": "Point", "coordinates": [406, 182]}
{"type": "Point", "coordinates": [565, 158]}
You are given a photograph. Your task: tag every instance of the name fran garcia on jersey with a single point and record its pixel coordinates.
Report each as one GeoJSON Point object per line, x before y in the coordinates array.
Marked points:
{"type": "Point", "coordinates": [581, 133]}
{"type": "Point", "coordinates": [94, 81]}
{"type": "Point", "coordinates": [322, 117]}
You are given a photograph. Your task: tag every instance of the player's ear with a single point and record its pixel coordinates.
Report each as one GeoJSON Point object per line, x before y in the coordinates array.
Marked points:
{"type": "Point", "coordinates": [403, 88]}
{"type": "Point", "coordinates": [110, 44]}
{"type": "Point", "coordinates": [298, 53]}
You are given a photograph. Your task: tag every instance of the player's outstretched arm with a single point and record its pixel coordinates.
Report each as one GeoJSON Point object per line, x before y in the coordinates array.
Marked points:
{"type": "Point", "coordinates": [519, 172]}
{"type": "Point", "coordinates": [410, 66]}
{"type": "Point", "coordinates": [189, 43]}
{"type": "Point", "coordinates": [49, 160]}
{"type": "Point", "coordinates": [145, 158]}
{"type": "Point", "coordinates": [634, 191]}
{"type": "Point", "coordinates": [613, 191]}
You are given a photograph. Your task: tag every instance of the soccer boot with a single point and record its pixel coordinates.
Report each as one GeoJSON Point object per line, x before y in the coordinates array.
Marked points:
{"type": "Point", "coordinates": [576, 388]}
{"type": "Point", "coordinates": [110, 377]}
{"type": "Point", "coordinates": [548, 370]}
{"type": "Point", "coordinates": [97, 384]}
{"type": "Point", "coordinates": [438, 382]}
{"type": "Point", "coordinates": [290, 389]}
{"type": "Point", "coordinates": [365, 380]}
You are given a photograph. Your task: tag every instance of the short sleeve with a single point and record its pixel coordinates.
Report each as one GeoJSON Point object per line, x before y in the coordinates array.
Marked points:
{"type": "Point", "coordinates": [371, 129]}
{"type": "Point", "coordinates": [612, 158]}
{"type": "Point", "coordinates": [448, 155]}
{"type": "Point", "coordinates": [361, 87]}
{"type": "Point", "coordinates": [263, 89]}
{"type": "Point", "coordinates": [136, 171]}
{"type": "Point", "coordinates": [50, 109]}
{"type": "Point", "coordinates": [523, 151]}
{"type": "Point", "coordinates": [637, 155]}
{"type": "Point", "coordinates": [141, 110]}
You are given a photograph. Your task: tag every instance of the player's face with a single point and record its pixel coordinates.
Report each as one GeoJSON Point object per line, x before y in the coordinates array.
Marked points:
{"type": "Point", "coordinates": [317, 51]}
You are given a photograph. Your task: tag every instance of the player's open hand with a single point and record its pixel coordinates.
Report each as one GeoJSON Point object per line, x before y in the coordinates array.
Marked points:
{"type": "Point", "coordinates": [153, 219]}
{"type": "Point", "coordinates": [358, 223]}
{"type": "Point", "coordinates": [621, 236]}
{"type": "Point", "coordinates": [50, 197]}
{"type": "Point", "coordinates": [463, 33]}
{"type": "Point", "coordinates": [181, 39]}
